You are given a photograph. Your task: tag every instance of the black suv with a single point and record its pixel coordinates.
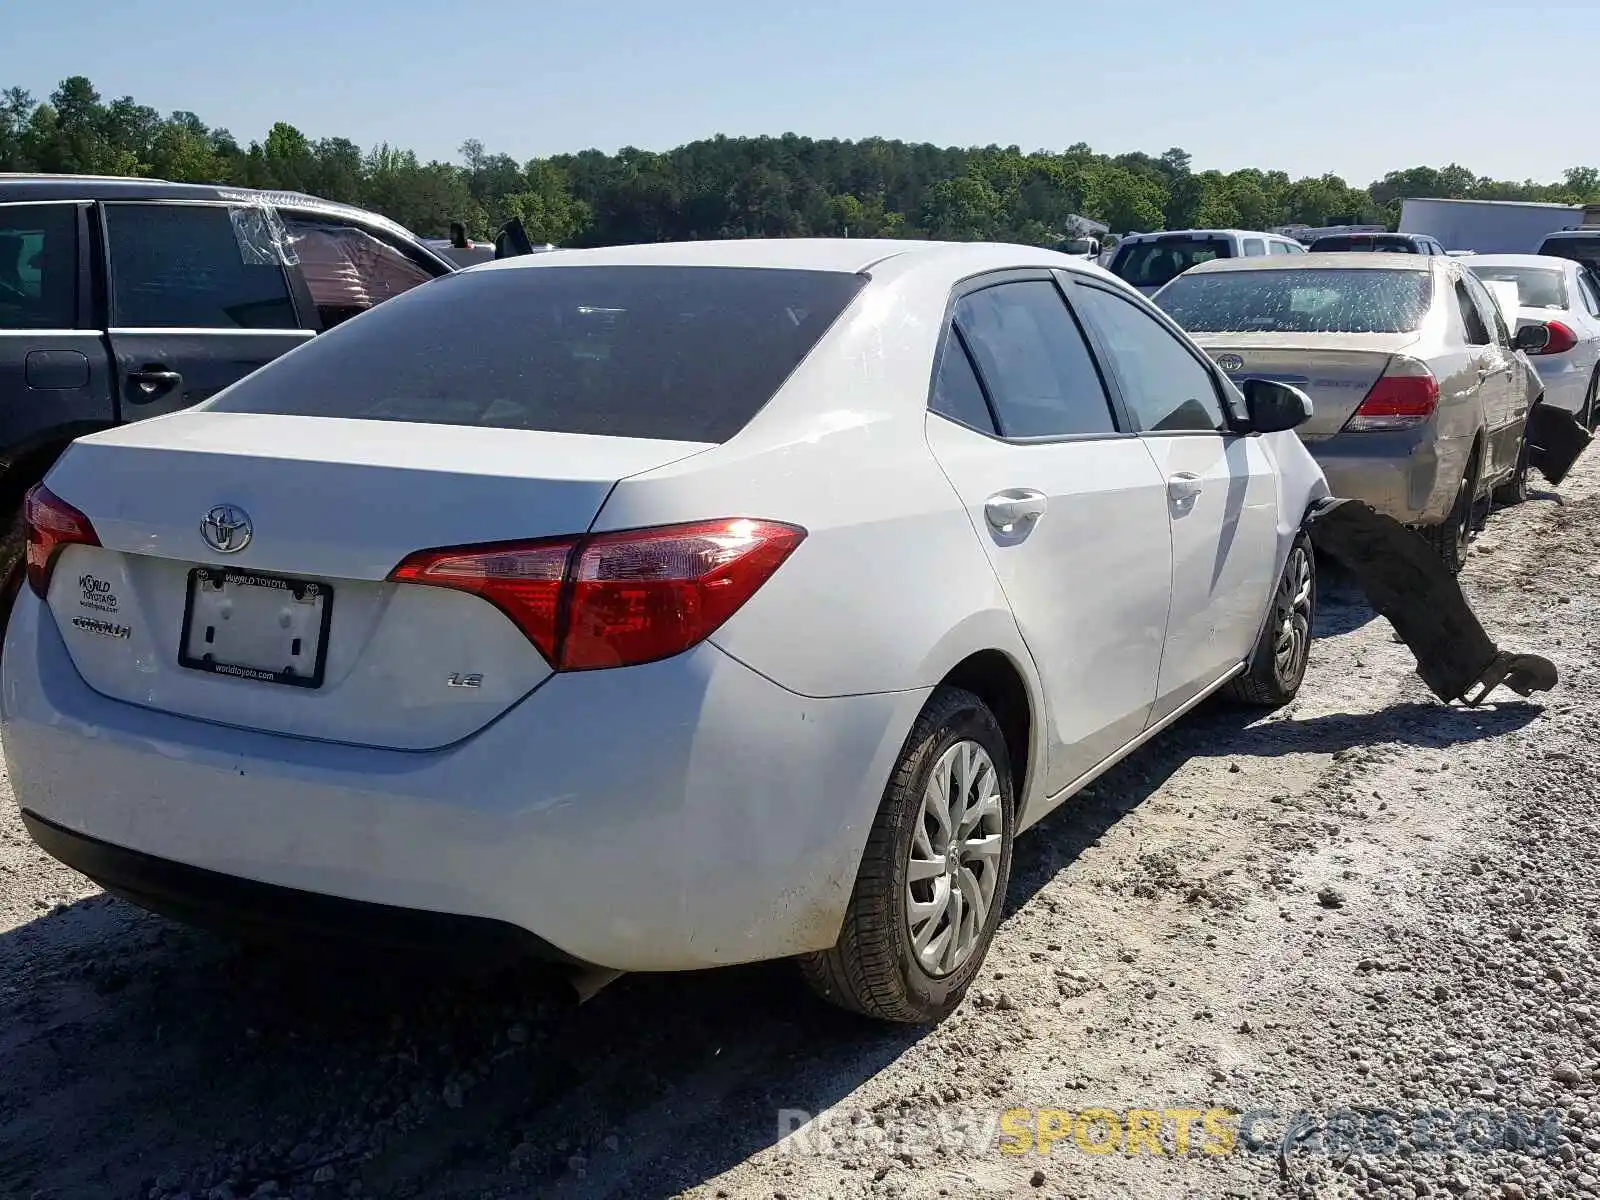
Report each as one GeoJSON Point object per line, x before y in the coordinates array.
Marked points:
{"type": "Point", "coordinates": [1392, 243]}
{"type": "Point", "coordinates": [127, 298]}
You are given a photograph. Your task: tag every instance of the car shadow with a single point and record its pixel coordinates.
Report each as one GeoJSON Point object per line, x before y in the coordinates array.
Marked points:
{"type": "Point", "coordinates": [136, 1054]}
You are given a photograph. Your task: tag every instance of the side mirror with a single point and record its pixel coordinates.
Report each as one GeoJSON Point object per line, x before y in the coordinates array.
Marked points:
{"type": "Point", "coordinates": [1531, 339]}
{"type": "Point", "coordinates": [458, 236]}
{"type": "Point", "coordinates": [1274, 407]}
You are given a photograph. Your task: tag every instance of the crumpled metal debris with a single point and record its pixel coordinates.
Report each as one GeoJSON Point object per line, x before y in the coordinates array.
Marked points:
{"type": "Point", "coordinates": [1407, 582]}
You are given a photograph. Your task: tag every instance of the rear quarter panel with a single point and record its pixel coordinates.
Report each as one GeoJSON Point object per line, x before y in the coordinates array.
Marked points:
{"type": "Point", "coordinates": [890, 588]}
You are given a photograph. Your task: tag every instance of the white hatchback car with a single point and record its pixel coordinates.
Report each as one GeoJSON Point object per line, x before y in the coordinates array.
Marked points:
{"type": "Point", "coordinates": [656, 607]}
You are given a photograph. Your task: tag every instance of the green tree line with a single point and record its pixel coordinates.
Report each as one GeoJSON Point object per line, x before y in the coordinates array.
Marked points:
{"type": "Point", "coordinates": [727, 187]}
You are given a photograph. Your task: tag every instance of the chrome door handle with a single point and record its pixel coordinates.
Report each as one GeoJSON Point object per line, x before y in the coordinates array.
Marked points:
{"type": "Point", "coordinates": [1184, 487]}
{"type": "Point", "coordinates": [1007, 511]}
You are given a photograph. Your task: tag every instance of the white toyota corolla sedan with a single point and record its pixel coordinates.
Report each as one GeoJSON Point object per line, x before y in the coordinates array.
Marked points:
{"type": "Point", "coordinates": [657, 607]}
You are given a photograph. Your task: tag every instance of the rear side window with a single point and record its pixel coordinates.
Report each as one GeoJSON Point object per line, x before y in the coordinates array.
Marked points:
{"type": "Point", "coordinates": [1153, 264]}
{"type": "Point", "coordinates": [38, 266]}
{"type": "Point", "coordinates": [1293, 299]}
{"type": "Point", "coordinates": [187, 266]}
{"type": "Point", "coordinates": [1254, 247]}
{"type": "Point", "coordinates": [679, 353]}
{"type": "Point", "coordinates": [1040, 375]}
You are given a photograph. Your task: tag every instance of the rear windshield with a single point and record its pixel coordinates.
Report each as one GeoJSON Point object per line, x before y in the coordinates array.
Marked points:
{"type": "Point", "coordinates": [1316, 300]}
{"type": "Point", "coordinates": [1364, 241]}
{"type": "Point", "coordinates": [1152, 264]}
{"type": "Point", "coordinates": [679, 353]}
{"type": "Point", "coordinates": [1537, 287]}
{"type": "Point", "coordinates": [1580, 249]}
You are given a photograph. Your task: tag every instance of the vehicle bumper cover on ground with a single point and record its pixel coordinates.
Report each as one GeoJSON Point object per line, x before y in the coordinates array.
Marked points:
{"type": "Point", "coordinates": [688, 813]}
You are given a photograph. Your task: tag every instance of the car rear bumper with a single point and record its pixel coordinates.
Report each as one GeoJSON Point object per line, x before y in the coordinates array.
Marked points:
{"type": "Point", "coordinates": [688, 813]}
{"type": "Point", "coordinates": [1409, 476]}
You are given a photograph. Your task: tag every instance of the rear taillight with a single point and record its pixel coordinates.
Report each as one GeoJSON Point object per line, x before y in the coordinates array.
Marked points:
{"type": "Point", "coordinates": [616, 599]}
{"type": "Point", "coordinates": [1404, 397]}
{"type": "Point", "coordinates": [522, 579]}
{"type": "Point", "coordinates": [53, 524]}
{"type": "Point", "coordinates": [1562, 339]}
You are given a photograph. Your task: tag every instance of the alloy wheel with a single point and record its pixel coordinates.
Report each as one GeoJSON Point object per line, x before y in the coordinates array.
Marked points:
{"type": "Point", "coordinates": [1291, 646]}
{"type": "Point", "coordinates": [955, 858]}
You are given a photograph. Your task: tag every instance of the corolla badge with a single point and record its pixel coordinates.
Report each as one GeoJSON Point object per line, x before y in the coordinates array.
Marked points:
{"type": "Point", "coordinates": [227, 529]}
{"type": "Point", "coordinates": [1230, 362]}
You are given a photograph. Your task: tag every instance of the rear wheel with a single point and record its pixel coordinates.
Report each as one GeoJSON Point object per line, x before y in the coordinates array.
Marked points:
{"type": "Point", "coordinates": [1515, 489]}
{"type": "Point", "coordinates": [1278, 666]}
{"type": "Point", "coordinates": [933, 878]}
{"type": "Point", "coordinates": [1449, 537]}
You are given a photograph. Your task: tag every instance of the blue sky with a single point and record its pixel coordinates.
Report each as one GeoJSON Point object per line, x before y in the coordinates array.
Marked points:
{"type": "Point", "coordinates": [1357, 88]}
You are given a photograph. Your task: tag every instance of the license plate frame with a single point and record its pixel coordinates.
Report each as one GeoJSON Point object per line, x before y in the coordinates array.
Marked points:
{"type": "Point", "coordinates": [301, 590]}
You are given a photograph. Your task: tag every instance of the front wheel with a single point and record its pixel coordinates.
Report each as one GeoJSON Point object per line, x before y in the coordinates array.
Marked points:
{"type": "Point", "coordinates": [927, 899]}
{"type": "Point", "coordinates": [1590, 415]}
{"type": "Point", "coordinates": [1449, 537]}
{"type": "Point", "coordinates": [1278, 666]}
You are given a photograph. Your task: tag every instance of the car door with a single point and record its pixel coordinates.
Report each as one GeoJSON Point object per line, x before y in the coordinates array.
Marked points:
{"type": "Point", "coordinates": [1067, 504]}
{"type": "Point", "coordinates": [198, 297]}
{"type": "Point", "coordinates": [1221, 491]}
{"type": "Point", "coordinates": [55, 377]}
{"type": "Point", "coordinates": [1505, 382]}
{"type": "Point", "coordinates": [1488, 379]}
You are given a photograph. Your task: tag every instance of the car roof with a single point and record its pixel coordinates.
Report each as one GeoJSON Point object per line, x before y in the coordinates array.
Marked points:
{"type": "Point", "coordinates": [23, 188]}
{"type": "Point", "coordinates": [848, 255]}
{"type": "Point", "coordinates": [1573, 233]}
{"type": "Point", "coordinates": [1404, 237]}
{"type": "Point", "coordinates": [1550, 262]}
{"type": "Point", "coordinates": [1332, 260]}
{"type": "Point", "coordinates": [1158, 234]}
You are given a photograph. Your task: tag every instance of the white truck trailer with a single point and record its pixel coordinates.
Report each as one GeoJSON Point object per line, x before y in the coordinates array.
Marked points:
{"type": "Point", "coordinates": [1488, 226]}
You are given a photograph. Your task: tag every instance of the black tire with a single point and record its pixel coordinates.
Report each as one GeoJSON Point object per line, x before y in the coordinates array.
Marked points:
{"type": "Point", "coordinates": [1514, 490]}
{"type": "Point", "coordinates": [1590, 416]}
{"type": "Point", "coordinates": [1274, 678]}
{"type": "Point", "coordinates": [1449, 538]}
{"type": "Point", "coordinates": [874, 969]}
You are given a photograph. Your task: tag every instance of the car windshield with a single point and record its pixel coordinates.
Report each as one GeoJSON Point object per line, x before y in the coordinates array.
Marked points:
{"type": "Point", "coordinates": [1294, 300]}
{"type": "Point", "coordinates": [1152, 264]}
{"type": "Point", "coordinates": [679, 353]}
{"type": "Point", "coordinates": [1537, 287]}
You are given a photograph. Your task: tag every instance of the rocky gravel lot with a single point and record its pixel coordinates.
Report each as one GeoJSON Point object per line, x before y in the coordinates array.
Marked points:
{"type": "Point", "coordinates": [1367, 904]}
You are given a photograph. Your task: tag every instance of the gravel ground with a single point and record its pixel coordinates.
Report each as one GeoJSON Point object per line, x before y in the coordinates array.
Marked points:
{"type": "Point", "coordinates": [1366, 904]}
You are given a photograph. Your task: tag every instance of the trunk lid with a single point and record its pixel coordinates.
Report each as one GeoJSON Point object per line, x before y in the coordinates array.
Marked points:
{"type": "Point", "coordinates": [1336, 370]}
{"type": "Point", "coordinates": [305, 635]}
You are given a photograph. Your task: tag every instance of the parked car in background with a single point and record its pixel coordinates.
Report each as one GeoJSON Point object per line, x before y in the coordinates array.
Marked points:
{"type": "Point", "coordinates": [122, 299]}
{"type": "Point", "coordinates": [1150, 260]}
{"type": "Point", "coordinates": [1580, 245]}
{"type": "Point", "coordinates": [1562, 295]}
{"type": "Point", "coordinates": [524, 611]}
{"type": "Point", "coordinates": [1391, 243]}
{"type": "Point", "coordinates": [1421, 391]}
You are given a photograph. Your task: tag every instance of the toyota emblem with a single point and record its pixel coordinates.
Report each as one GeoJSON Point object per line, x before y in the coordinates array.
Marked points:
{"type": "Point", "coordinates": [227, 529]}
{"type": "Point", "coordinates": [1230, 362]}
